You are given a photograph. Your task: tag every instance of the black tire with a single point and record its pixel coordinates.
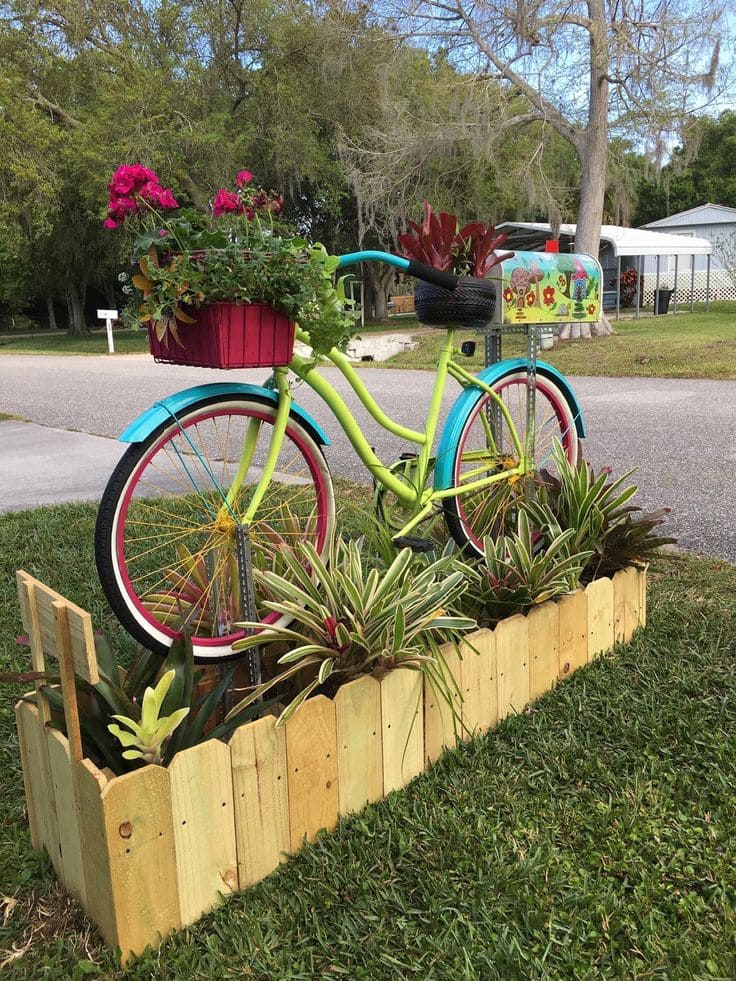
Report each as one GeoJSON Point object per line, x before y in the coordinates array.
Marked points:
{"type": "Point", "coordinates": [472, 516]}
{"type": "Point", "coordinates": [175, 495]}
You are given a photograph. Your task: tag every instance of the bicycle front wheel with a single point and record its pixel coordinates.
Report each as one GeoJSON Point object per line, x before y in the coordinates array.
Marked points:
{"type": "Point", "coordinates": [165, 541]}
{"type": "Point", "coordinates": [485, 447]}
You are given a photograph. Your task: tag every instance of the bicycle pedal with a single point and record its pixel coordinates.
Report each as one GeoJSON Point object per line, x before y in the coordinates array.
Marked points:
{"type": "Point", "coordinates": [415, 544]}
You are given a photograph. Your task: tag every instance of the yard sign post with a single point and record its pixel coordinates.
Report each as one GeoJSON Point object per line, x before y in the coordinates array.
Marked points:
{"type": "Point", "coordinates": [108, 316]}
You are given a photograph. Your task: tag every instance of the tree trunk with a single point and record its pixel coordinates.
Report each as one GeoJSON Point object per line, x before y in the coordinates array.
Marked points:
{"type": "Point", "coordinates": [593, 150]}
{"type": "Point", "coordinates": [78, 323]}
{"type": "Point", "coordinates": [378, 282]}
{"type": "Point", "coordinates": [51, 312]}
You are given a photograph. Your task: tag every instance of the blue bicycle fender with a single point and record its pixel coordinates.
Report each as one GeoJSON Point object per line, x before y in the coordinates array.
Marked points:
{"type": "Point", "coordinates": [458, 414]}
{"type": "Point", "coordinates": [141, 428]}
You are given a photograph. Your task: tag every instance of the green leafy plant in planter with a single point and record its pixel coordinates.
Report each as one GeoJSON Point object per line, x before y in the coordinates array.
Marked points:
{"type": "Point", "coordinates": [350, 619]}
{"type": "Point", "coordinates": [242, 252]}
{"type": "Point", "coordinates": [596, 508]}
{"type": "Point", "coordinates": [518, 571]}
{"type": "Point", "coordinates": [143, 699]}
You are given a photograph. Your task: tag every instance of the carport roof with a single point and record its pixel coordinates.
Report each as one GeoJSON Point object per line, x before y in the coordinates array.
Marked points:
{"type": "Point", "coordinates": [531, 236]}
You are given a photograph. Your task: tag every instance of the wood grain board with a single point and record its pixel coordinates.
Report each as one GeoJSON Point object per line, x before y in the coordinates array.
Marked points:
{"type": "Point", "coordinates": [311, 759]}
{"type": "Point", "coordinates": [600, 617]}
{"type": "Point", "coordinates": [544, 648]}
{"type": "Point", "coordinates": [573, 611]}
{"type": "Point", "coordinates": [359, 744]}
{"type": "Point", "coordinates": [512, 660]}
{"type": "Point", "coordinates": [204, 827]}
{"type": "Point", "coordinates": [260, 797]}
{"type": "Point", "coordinates": [403, 728]}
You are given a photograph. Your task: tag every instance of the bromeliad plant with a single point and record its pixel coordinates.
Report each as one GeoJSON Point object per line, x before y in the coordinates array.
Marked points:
{"type": "Point", "coordinates": [440, 241]}
{"type": "Point", "coordinates": [156, 700]}
{"type": "Point", "coordinates": [241, 252]}
{"type": "Point", "coordinates": [596, 508]}
{"type": "Point", "coordinates": [144, 740]}
{"type": "Point", "coordinates": [517, 571]}
{"type": "Point", "coordinates": [349, 619]}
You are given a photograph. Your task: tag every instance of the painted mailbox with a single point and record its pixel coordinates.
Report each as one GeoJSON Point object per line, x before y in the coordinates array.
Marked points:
{"type": "Point", "coordinates": [550, 288]}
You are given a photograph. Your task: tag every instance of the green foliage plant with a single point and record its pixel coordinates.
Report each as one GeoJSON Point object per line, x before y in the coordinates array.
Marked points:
{"type": "Point", "coordinates": [144, 739]}
{"type": "Point", "coordinates": [350, 619]}
{"type": "Point", "coordinates": [517, 572]}
{"type": "Point", "coordinates": [596, 508]}
{"type": "Point", "coordinates": [241, 252]}
{"type": "Point", "coordinates": [123, 696]}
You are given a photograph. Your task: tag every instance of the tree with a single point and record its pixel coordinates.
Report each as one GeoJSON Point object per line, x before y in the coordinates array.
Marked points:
{"type": "Point", "coordinates": [700, 171]}
{"type": "Point", "coordinates": [589, 69]}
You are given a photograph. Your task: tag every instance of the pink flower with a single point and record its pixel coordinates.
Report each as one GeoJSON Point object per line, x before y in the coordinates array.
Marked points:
{"type": "Point", "coordinates": [162, 233]}
{"type": "Point", "coordinates": [277, 204]}
{"type": "Point", "coordinates": [243, 177]}
{"type": "Point", "coordinates": [167, 199]}
{"type": "Point", "coordinates": [226, 202]}
{"type": "Point", "coordinates": [151, 191]}
{"type": "Point", "coordinates": [129, 178]}
{"type": "Point", "coordinates": [120, 207]}
{"type": "Point", "coordinates": [110, 223]}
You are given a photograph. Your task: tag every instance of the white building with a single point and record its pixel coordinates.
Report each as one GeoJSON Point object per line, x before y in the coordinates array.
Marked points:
{"type": "Point", "coordinates": [717, 224]}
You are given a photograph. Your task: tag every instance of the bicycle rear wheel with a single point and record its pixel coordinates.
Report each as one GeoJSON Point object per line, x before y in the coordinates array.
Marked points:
{"type": "Point", "coordinates": [472, 516]}
{"type": "Point", "coordinates": [165, 534]}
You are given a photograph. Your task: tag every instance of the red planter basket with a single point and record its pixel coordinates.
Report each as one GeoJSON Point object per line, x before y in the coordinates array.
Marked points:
{"type": "Point", "coordinates": [230, 335]}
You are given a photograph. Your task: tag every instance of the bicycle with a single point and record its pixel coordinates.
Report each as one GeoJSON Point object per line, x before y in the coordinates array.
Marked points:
{"type": "Point", "coordinates": [216, 458]}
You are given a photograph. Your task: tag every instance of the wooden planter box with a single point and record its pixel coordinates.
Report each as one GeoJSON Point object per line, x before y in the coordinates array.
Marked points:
{"type": "Point", "coordinates": [151, 851]}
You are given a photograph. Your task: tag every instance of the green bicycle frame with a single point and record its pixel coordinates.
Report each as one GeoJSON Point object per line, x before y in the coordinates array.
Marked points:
{"type": "Point", "coordinates": [419, 499]}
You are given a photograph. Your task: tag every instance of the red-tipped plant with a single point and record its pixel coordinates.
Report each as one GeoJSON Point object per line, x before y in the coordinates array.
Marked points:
{"type": "Point", "coordinates": [440, 242]}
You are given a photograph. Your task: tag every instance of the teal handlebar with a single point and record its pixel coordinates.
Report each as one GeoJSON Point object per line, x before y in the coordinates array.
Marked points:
{"type": "Point", "coordinates": [429, 274]}
{"type": "Point", "coordinates": [371, 255]}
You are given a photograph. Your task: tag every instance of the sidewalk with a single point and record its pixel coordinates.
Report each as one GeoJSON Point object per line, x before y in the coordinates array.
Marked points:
{"type": "Point", "coordinates": [41, 465]}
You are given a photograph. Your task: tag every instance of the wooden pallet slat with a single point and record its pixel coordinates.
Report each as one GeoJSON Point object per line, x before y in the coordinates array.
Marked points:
{"type": "Point", "coordinates": [26, 762]}
{"type": "Point", "coordinates": [443, 706]}
{"type": "Point", "coordinates": [626, 604]}
{"type": "Point", "coordinates": [600, 617]}
{"type": "Point", "coordinates": [573, 612]}
{"type": "Point", "coordinates": [512, 658]}
{"type": "Point", "coordinates": [260, 796]}
{"type": "Point", "coordinates": [359, 744]}
{"type": "Point", "coordinates": [32, 591]}
{"type": "Point", "coordinates": [67, 814]}
{"type": "Point", "coordinates": [402, 717]}
{"type": "Point", "coordinates": [139, 835]}
{"type": "Point", "coordinates": [89, 782]}
{"type": "Point", "coordinates": [311, 757]}
{"type": "Point", "coordinates": [204, 827]}
{"type": "Point", "coordinates": [41, 800]}
{"type": "Point", "coordinates": [642, 577]}
{"type": "Point", "coordinates": [544, 648]}
{"type": "Point", "coordinates": [478, 682]}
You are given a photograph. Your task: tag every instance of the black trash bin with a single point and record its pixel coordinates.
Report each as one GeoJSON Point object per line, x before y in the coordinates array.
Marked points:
{"type": "Point", "coordinates": [662, 299]}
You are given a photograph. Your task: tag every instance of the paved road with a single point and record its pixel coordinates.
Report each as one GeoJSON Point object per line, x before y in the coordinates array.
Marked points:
{"type": "Point", "coordinates": [680, 434]}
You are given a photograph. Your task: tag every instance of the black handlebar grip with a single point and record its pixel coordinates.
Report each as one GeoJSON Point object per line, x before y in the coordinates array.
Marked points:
{"type": "Point", "coordinates": [431, 275]}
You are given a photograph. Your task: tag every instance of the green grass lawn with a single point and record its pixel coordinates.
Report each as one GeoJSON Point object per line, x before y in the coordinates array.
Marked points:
{"type": "Point", "coordinates": [697, 345]}
{"type": "Point", "coordinates": [591, 836]}
{"type": "Point", "coordinates": [126, 342]}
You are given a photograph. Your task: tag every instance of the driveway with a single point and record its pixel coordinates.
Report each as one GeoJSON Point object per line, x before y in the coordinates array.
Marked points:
{"type": "Point", "coordinates": [680, 434]}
